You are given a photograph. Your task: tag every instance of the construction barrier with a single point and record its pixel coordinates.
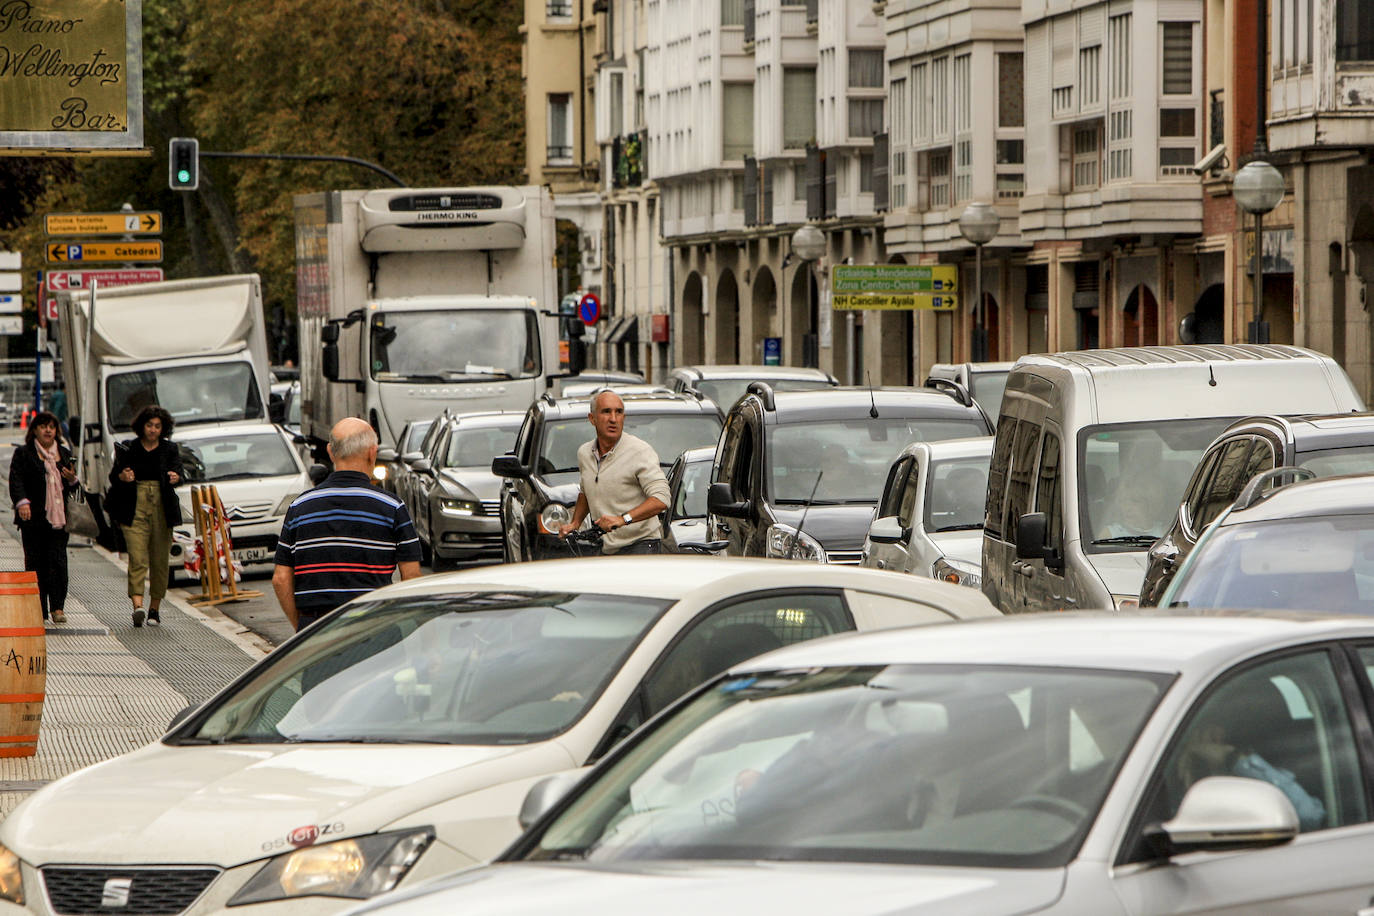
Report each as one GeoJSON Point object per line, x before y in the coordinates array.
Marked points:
{"type": "Point", "coordinates": [214, 550]}
{"type": "Point", "coordinates": [23, 664]}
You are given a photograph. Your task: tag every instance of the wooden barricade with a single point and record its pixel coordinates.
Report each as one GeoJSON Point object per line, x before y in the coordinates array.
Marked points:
{"type": "Point", "coordinates": [212, 533]}
{"type": "Point", "coordinates": [23, 664]}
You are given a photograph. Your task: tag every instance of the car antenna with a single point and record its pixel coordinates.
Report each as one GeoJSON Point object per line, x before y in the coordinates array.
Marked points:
{"type": "Point", "coordinates": [1211, 376]}
{"type": "Point", "coordinates": [872, 402]}
{"type": "Point", "coordinates": [801, 523]}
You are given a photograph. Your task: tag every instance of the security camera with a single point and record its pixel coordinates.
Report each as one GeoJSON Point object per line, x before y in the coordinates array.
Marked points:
{"type": "Point", "coordinates": [1211, 160]}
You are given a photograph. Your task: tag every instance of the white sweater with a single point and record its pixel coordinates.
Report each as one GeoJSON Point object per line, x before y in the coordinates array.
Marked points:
{"type": "Point", "coordinates": [624, 478]}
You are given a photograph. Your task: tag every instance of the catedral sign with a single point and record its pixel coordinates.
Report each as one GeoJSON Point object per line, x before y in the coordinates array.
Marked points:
{"type": "Point", "coordinates": [894, 286]}
{"type": "Point", "coordinates": [71, 74]}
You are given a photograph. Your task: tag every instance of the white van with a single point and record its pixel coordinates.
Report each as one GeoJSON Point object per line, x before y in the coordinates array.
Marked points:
{"type": "Point", "coordinates": [1094, 448]}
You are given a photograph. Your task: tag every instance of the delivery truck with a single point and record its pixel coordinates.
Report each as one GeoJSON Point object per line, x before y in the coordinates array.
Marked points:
{"type": "Point", "coordinates": [413, 300]}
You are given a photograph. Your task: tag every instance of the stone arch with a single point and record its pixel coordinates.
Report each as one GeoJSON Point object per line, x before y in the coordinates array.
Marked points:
{"type": "Point", "coordinates": [801, 319]}
{"type": "Point", "coordinates": [725, 308]}
{"type": "Point", "coordinates": [1209, 316]}
{"type": "Point", "coordinates": [1140, 318]}
{"type": "Point", "coordinates": [763, 312]}
{"type": "Point", "coordinates": [693, 330]}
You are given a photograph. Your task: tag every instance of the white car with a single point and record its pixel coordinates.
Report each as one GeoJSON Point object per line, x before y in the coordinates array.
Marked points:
{"type": "Point", "coordinates": [1102, 765]}
{"type": "Point", "coordinates": [257, 474]}
{"type": "Point", "coordinates": [930, 518]}
{"type": "Point", "coordinates": [395, 739]}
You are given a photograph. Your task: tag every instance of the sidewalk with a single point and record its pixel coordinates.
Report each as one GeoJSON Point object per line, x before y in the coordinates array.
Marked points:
{"type": "Point", "coordinates": [112, 688]}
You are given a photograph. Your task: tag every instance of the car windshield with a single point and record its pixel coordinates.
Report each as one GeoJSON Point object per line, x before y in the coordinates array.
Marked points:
{"type": "Point", "coordinates": [476, 446]}
{"type": "Point", "coordinates": [204, 393]}
{"type": "Point", "coordinates": [669, 434]}
{"type": "Point", "coordinates": [1335, 462]}
{"type": "Point", "coordinates": [956, 494]}
{"type": "Point", "coordinates": [852, 457]}
{"type": "Point", "coordinates": [1300, 564]}
{"type": "Point", "coordinates": [237, 456]}
{"type": "Point", "coordinates": [1133, 477]}
{"type": "Point", "coordinates": [504, 667]}
{"type": "Point", "coordinates": [930, 765]}
{"type": "Point", "coordinates": [446, 346]}
{"type": "Point", "coordinates": [691, 494]}
{"type": "Point", "coordinates": [416, 435]}
{"type": "Point", "coordinates": [987, 390]}
{"type": "Point", "coordinates": [726, 391]}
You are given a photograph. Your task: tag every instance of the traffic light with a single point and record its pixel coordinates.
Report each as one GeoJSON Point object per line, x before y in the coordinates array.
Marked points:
{"type": "Point", "coordinates": [183, 164]}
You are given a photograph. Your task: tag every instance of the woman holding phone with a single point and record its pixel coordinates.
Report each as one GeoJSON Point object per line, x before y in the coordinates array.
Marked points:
{"type": "Point", "coordinates": [42, 479]}
{"type": "Point", "coordinates": [143, 501]}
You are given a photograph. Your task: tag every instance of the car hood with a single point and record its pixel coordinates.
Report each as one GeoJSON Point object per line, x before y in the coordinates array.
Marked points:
{"type": "Point", "coordinates": [836, 527]}
{"type": "Point", "coordinates": [692, 888]}
{"type": "Point", "coordinates": [961, 545]}
{"type": "Point", "coordinates": [229, 805]}
{"type": "Point", "coordinates": [471, 483]}
{"type": "Point", "coordinates": [1122, 573]}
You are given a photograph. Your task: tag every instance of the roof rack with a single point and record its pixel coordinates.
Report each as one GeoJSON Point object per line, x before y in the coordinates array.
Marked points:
{"type": "Point", "coordinates": [1254, 490]}
{"type": "Point", "coordinates": [765, 393]}
{"type": "Point", "coordinates": [951, 388]}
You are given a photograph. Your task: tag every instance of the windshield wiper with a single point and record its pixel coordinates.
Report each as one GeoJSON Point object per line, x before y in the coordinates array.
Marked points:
{"type": "Point", "coordinates": [360, 739]}
{"type": "Point", "coordinates": [234, 739]}
{"type": "Point", "coordinates": [819, 502]}
{"type": "Point", "coordinates": [1135, 540]}
{"type": "Point", "coordinates": [238, 475]}
{"type": "Point", "coordinates": [973, 527]}
{"type": "Point", "coordinates": [494, 373]}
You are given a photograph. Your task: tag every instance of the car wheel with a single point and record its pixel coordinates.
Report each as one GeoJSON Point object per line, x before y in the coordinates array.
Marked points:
{"type": "Point", "coordinates": [426, 555]}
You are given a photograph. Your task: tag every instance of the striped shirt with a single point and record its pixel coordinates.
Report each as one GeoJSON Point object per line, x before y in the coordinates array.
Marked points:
{"type": "Point", "coordinates": [343, 539]}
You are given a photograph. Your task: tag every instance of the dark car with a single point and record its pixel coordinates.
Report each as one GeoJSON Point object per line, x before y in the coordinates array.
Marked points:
{"type": "Point", "coordinates": [685, 521]}
{"type": "Point", "coordinates": [798, 473]}
{"type": "Point", "coordinates": [542, 476]}
{"type": "Point", "coordinates": [725, 384]}
{"type": "Point", "coordinates": [1328, 446]}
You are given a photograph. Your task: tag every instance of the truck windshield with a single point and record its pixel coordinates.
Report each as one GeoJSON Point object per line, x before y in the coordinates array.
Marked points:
{"type": "Point", "coordinates": [205, 393]}
{"type": "Point", "coordinates": [448, 346]}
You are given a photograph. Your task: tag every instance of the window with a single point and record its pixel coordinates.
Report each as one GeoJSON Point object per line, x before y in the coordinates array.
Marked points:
{"type": "Point", "coordinates": [736, 192]}
{"type": "Point", "coordinates": [939, 178]}
{"type": "Point", "coordinates": [1011, 98]}
{"type": "Point", "coordinates": [898, 187]}
{"type": "Point", "coordinates": [616, 106]}
{"type": "Point", "coordinates": [1120, 157]}
{"type": "Point", "coordinates": [897, 93]}
{"type": "Point", "coordinates": [1086, 157]}
{"type": "Point", "coordinates": [799, 181]}
{"type": "Point", "coordinates": [732, 12]}
{"type": "Point", "coordinates": [558, 10]}
{"type": "Point", "coordinates": [798, 107]}
{"type": "Point", "coordinates": [737, 120]}
{"type": "Point", "coordinates": [1227, 481]}
{"type": "Point", "coordinates": [1119, 56]}
{"type": "Point", "coordinates": [866, 68]}
{"type": "Point", "coordinates": [1354, 30]}
{"type": "Point", "coordinates": [1090, 76]}
{"type": "Point", "coordinates": [865, 172]}
{"type": "Point", "coordinates": [939, 94]}
{"type": "Point", "coordinates": [1020, 476]}
{"type": "Point", "coordinates": [1177, 68]}
{"type": "Point", "coordinates": [560, 129]}
{"type": "Point", "coordinates": [1047, 498]}
{"type": "Point", "coordinates": [920, 104]}
{"type": "Point", "coordinates": [963, 96]}
{"type": "Point", "coordinates": [963, 170]}
{"type": "Point", "coordinates": [865, 117]}
{"type": "Point", "coordinates": [997, 474]}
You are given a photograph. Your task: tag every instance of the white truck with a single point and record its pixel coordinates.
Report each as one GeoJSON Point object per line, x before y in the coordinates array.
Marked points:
{"type": "Point", "coordinates": [196, 347]}
{"type": "Point", "coordinates": [413, 300]}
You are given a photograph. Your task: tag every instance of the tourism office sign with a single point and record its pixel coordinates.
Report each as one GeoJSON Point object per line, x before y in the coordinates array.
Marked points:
{"type": "Point", "coordinates": [71, 75]}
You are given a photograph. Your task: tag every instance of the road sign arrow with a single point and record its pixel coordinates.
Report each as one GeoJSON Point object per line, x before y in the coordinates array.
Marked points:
{"type": "Point", "coordinates": [57, 252]}
{"type": "Point", "coordinates": [149, 222]}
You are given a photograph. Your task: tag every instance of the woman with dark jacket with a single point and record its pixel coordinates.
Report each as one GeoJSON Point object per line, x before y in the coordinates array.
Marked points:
{"type": "Point", "coordinates": [142, 500]}
{"type": "Point", "coordinates": [42, 479]}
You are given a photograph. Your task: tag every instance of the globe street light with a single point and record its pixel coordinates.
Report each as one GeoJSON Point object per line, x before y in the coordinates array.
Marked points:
{"type": "Point", "coordinates": [979, 224]}
{"type": "Point", "coordinates": [1258, 188]}
{"type": "Point", "coordinates": [808, 245]}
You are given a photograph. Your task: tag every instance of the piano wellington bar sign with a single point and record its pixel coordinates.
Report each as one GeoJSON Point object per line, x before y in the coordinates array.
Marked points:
{"type": "Point", "coordinates": [71, 74]}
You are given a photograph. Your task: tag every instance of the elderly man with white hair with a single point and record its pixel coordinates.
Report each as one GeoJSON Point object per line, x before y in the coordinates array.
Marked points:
{"type": "Point", "coordinates": [345, 537]}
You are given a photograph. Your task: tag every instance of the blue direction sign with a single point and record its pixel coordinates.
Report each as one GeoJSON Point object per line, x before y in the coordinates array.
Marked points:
{"type": "Point", "coordinates": [589, 309]}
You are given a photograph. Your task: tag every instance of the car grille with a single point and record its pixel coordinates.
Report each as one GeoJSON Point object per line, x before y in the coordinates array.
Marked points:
{"type": "Point", "coordinates": [844, 557]}
{"type": "Point", "coordinates": [152, 891]}
{"type": "Point", "coordinates": [491, 507]}
{"type": "Point", "coordinates": [247, 511]}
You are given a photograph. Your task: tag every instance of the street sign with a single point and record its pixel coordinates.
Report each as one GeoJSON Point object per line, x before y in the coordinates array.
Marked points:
{"type": "Point", "coordinates": [80, 252]}
{"type": "Point", "coordinates": [589, 309]}
{"type": "Point", "coordinates": [772, 351]}
{"type": "Point", "coordinates": [11, 304]}
{"type": "Point", "coordinates": [10, 260]}
{"type": "Point", "coordinates": [57, 280]}
{"type": "Point", "coordinates": [11, 325]}
{"type": "Point", "coordinates": [122, 223]}
{"type": "Point", "coordinates": [895, 286]}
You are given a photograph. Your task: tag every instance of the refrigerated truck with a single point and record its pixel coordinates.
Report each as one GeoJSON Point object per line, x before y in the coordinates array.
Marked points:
{"type": "Point", "coordinates": [413, 300]}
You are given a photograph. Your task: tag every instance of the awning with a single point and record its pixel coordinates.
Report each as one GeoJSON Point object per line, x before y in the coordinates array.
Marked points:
{"type": "Point", "coordinates": [628, 332]}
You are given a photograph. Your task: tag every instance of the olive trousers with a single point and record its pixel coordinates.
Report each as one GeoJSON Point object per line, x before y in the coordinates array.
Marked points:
{"type": "Point", "coordinates": [149, 542]}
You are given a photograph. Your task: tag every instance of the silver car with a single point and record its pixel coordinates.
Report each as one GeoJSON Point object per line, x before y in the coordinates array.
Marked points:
{"type": "Point", "coordinates": [1089, 764]}
{"type": "Point", "coordinates": [457, 497]}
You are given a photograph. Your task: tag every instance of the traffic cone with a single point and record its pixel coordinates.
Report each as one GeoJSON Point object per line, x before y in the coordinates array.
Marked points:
{"type": "Point", "coordinates": [24, 418]}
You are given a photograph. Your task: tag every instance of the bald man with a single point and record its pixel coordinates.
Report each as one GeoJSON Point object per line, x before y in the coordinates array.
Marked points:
{"type": "Point", "coordinates": [345, 537]}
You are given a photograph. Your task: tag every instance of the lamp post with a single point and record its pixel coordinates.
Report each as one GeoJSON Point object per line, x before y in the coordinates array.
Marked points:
{"type": "Point", "coordinates": [808, 245]}
{"type": "Point", "coordinates": [1258, 188]}
{"type": "Point", "coordinates": [979, 224]}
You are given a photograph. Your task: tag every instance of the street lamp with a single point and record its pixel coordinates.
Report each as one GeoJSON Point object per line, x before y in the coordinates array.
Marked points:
{"type": "Point", "coordinates": [979, 224]}
{"type": "Point", "coordinates": [1258, 188]}
{"type": "Point", "coordinates": [808, 245]}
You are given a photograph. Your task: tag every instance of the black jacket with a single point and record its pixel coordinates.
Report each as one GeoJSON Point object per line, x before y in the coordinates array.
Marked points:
{"type": "Point", "coordinates": [29, 480]}
{"type": "Point", "coordinates": [122, 500]}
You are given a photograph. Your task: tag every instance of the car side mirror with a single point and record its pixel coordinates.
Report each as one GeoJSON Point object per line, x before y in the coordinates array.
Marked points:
{"type": "Point", "coordinates": [544, 794]}
{"type": "Point", "coordinates": [329, 360]}
{"type": "Point", "coordinates": [720, 501]}
{"type": "Point", "coordinates": [1227, 812]}
{"type": "Point", "coordinates": [386, 453]}
{"type": "Point", "coordinates": [1032, 541]}
{"type": "Point", "coordinates": [318, 473]}
{"type": "Point", "coordinates": [411, 457]}
{"type": "Point", "coordinates": [886, 530]}
{"type": "Point", "coordinates": [508, 466]}
{"type": "Point", "coordinates": [329, 333]}
{"type": "Point", "coordinates": [422, 466]}
{"type": "Point", "coordinates": [276, 411]}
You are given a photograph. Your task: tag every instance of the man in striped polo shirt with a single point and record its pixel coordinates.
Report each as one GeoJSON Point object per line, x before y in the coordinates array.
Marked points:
{"type": "Point", "coordinates": [345, 537]}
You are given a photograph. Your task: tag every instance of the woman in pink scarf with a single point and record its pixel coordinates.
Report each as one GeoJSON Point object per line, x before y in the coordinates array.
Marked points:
{"type": "Point", "coordinates": [42, 478]}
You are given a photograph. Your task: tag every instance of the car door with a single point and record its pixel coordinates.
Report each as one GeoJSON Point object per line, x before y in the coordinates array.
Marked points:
{"type": "Point", "coordinates": [426, 482]}
{"type": "Point", "coordinates": [515, 493]}
{"type": "Point", "coordinates": [1295, 720]}
{"type": "Point", "coordinates": [1168, 552]}
{"type": "Point", "coordinates": [1047, 587]}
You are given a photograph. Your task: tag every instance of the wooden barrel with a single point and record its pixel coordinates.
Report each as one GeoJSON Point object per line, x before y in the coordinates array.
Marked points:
{"type": "Point", "coordinates": [23, 664]}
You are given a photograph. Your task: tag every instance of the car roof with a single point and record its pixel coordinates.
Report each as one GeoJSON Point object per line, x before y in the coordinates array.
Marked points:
{"type": "Point", "coordinates": [675, 577]}
{"type": "Point", "coordinates": [1163, 358]}
{"type": "Point", "coordinates": [1350, 494]}
{"type": "Point", "coordinates": [851, 402]}
{"type": "Point", "coordinates": [221, 431]}
{"type": "Point", "coordinates": [1313, 432]}
{"type": "Point", "coordinates": [487, 418]}
{"type": "Point", "coordinates": [702, 453]}
{"type": "Point", "coordinates": [635, 402]}
{"type": "Point", "coordinates": [972, 368]}
{"type": "Point", "coordinates": [1165, 642]}
{"type": "Point", "coordinates": [741, 370]}
{"type": "Point", "coordinates": [972, 447]}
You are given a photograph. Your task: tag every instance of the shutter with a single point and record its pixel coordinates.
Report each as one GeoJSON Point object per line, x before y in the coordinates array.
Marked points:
{"type": "Point", "coordinates": [815, 183]}
{"type": "Point", "coordinates": [1063, 53]}
{"type": "Point", "coordinates": [1087, 279]}
{"type": "Point", "coordinates": [1091, 25]}
{"type": "Point", "coordinates": [881, 195]}
{"type": "Point", "coordinates": [766, 180]}
{"type": "Point", "coordinates": [751, 191]}
{"type": "Point", "coordinates": [748, 21]}
{"type": "Point", "coordinates": [828, 167]}
{"type": "Point", "coordinates": [1037, 287]}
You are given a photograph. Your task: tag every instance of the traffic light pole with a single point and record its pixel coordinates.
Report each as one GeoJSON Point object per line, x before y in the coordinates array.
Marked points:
{"type": "Point", "coordinates": [310, 158]}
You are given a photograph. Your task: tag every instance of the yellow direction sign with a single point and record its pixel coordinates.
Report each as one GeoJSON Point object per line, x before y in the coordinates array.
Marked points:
{"type": "Point", "coordinates": [86, 252]}
{"type": "Point", "coordinates": [895, 286]}
{"type": "Point", "coordinates": [122, 223]}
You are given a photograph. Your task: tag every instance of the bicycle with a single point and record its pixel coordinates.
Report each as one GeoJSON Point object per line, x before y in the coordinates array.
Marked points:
{"type": "Point", "coordinates": [585, 541]}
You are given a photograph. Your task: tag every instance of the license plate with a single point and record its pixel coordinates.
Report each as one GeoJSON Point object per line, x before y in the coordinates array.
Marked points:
{"type": "Point", "coordinates": [250, 554]}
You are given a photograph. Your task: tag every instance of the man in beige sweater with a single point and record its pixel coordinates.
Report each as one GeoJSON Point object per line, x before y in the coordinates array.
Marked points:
{"type": "Point", "coordinates": [623, 487]}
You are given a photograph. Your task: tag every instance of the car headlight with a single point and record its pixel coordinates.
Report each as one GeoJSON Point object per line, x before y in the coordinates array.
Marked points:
{"type": "Point", "coordinates": [957, 572]}
{"type": "Point", "coordinates": [285, 503]}
{"type": "Point", "coordinates": [1126, 602]}
{"type": "Point", "coordinates": [379, 472]}
{"type": "Point", "coordinates": [11, 877]}
{"type": "Point", "coordinates": [554, 516]}
{"type": "Point", "coordinates": [462, 507]}
{"type": "Point", "coordinates": [359, 868]}
{"type": "Point", "coordinates": [786, 542]}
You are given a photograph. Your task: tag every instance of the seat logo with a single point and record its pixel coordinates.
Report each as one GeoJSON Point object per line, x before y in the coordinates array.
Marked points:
{"type": "Point", "coordinates": [116, 892]}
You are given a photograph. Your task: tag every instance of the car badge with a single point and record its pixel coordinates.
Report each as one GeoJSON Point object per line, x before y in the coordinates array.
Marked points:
{"type": "Point", "coordinates": [234, 512]}
{"type": "Point", "coordinates": [303, 836]}
{"type": "Point", "coordinates": [116, 892]}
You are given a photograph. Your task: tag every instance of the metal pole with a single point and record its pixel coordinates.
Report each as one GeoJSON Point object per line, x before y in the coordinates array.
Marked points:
{"type": "Point", "coordinates": [853, 348]}
{"type": "Point", "coordinates": [980, 333]}
{"type": "Point", "coordinates": [1257, 335]}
